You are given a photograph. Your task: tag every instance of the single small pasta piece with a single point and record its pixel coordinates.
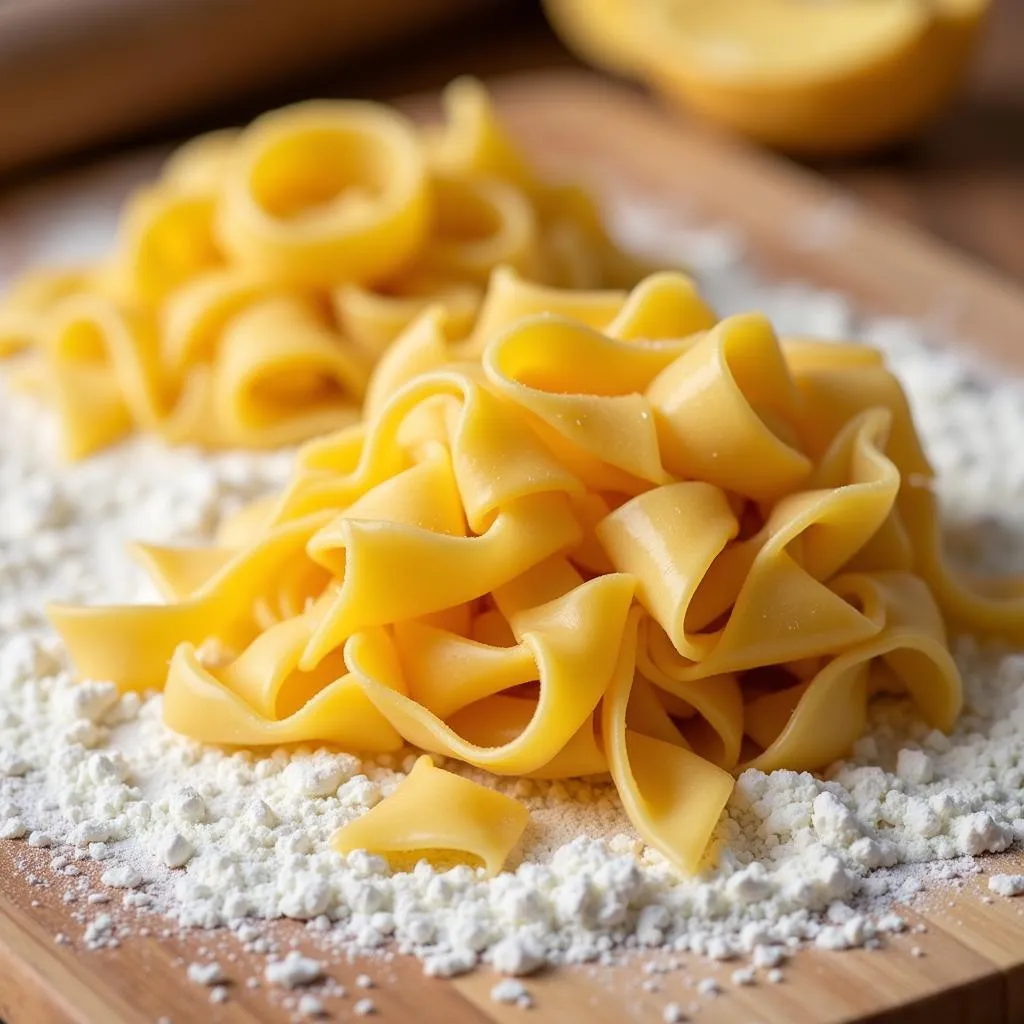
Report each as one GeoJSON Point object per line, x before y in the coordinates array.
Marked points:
{"type": "Point", "coordinates": [477, 823]}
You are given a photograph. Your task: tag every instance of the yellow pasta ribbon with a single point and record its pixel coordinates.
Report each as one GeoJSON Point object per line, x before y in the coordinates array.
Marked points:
{"type": "Point", "coordinates": [27, 302]}
{"type": "Point", "coordinates": [166, 239]}
{"type": "Point", "coordinates": [572, 676]}
{"type": "Point", "coordinates": [673, 796]}
{"type": "Point", "coordinates": [816, 722]}
{"type": "Point", "coordinates": [478, 823]}
{"type": "Point", "coordinates": [324, 192]}
{"type": "Point", "coordinates": [132, 644]}
{"type": "Point", "coordinates": [100, 367]}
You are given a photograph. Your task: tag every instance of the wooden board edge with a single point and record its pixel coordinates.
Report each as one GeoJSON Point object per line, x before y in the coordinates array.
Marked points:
{"type": "Point", "coordinates": [40, 983]}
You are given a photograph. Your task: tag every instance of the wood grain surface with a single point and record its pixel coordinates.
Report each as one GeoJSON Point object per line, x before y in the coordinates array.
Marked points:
{"type": "Point", "coordinates": [962, 960]}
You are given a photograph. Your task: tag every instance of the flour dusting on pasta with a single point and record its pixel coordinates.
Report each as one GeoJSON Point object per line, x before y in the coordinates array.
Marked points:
{"type": "Point", "coordinates": [214, 838]}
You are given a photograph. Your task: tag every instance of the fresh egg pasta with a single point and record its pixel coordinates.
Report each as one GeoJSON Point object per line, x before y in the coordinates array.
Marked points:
{"type": "Point", "coordinates": [477, 822]}
{"type": "Point", "coordinates": [255, 284]}
{"type": "Point", "coordinates": [600, 533]}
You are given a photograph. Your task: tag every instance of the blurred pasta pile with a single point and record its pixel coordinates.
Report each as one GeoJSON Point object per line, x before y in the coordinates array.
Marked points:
{"type": "Point", "coordinates": [256, 283]}
{"type": "Point", "coordinates": [605, 534]}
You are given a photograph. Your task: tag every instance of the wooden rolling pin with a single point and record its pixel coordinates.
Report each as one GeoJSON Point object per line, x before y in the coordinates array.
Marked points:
{"type": "Point", "coordinates": [78, 72]}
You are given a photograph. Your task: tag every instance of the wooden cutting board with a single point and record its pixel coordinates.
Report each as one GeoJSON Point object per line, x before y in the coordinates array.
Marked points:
{"type": "Point", "coordinates": [961, 961]}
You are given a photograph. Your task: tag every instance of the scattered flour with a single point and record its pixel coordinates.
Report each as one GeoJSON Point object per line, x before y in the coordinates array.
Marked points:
{"type": "Point", "coordinates": [517, 955]}
{"type": "Point", "coordinates": [1006, 885]}
{"type": "Point", "coordinates": [512, 992]}
{"type": "Point", "coordinates": [206, 974]}
{"type": "Point", "coordinates": [673, 1014]}
{"type": "Point", "coordinates": [121, 876]}
{"type": "Point", "coordinates": [709, 987]}
{"type": "Point", "coordinates": [310, 1006]}
{"type": "Point", "coordinates": [743, 976]}
{"type": "Point", "coordinates": [294, 971]}
{"type": "Point", "coordinates": [210, 838]}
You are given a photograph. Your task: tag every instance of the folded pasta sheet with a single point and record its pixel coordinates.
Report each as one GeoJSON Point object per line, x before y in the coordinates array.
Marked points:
{"type": "Point", "coordinates": [475, 823]}
{"type": "Point", "coordinates": [598, 533]}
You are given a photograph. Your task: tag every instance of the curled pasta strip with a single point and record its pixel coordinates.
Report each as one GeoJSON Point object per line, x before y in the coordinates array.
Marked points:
{"type": "Point", "coordinates": [836, 381]}
{"type": "Point", "coordinates": [198, 705]}
{"type": "Point", "coordinates": [471, 142]}
{"type": "Point", "coordinates": [598, 534]}
{"type": "Point", "coordinates": [723, 408]}
{"type": "Point", "coordinates": [478, 430]}
{"type": "Point", "coordinates": [101, 371]}
{"type": "Point", "coordinates": [28, 301]}
{"type": "Point", "coordinates": [480, 224]}
{"type": "Point", "coordinates": [372, 321]}
{"type": "Point", "coordinates": [673, 796]}
{"type": "Point", "coordinates": [376, 553]}
{"type": "Point", "coordinates": [993, 607]}
{"type": "Point", "coordinates": [574, 643]}
{"type": "Point", "coordinates": [771, 584]}
{"type": "Point", "coordinates": [668, 538]}
{"type": "Point", "coordinates": [587, 391]}
{"type": "Point", "coordinates": [602, 427]}
{"type": "Point", "coordinates": [324, 192]}
{"type": "Point", "coordinates": [282, 376]}
{"type": "Point", "coordinates": [815, 722]}
{"type": "Point", "coordinates": [194, 317]}
{"type": "Point", "coordinates": [577, 251]}
{"type": "Point", "coordinates": [510, 298]}
{"type": "Point", "coordinates": [166, 239]}
{"type": "Point", "coordinates": [262, 699]}
{"type": "Point", "coordinates": [428, 342]}
{"type": "Point", "coordinates": [131, 645]}
{"type": "Point", "coordinates": [499, 720]}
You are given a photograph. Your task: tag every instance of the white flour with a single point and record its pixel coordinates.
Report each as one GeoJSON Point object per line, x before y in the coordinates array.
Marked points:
{"type": "Point", "coordinates": [203, 838]}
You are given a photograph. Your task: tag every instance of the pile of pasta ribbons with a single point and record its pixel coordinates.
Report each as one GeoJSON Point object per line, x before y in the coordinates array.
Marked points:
{"type": "Point", "coordinates": [600, 533]}
{"type": "Point", "coordinates": [256, 283]}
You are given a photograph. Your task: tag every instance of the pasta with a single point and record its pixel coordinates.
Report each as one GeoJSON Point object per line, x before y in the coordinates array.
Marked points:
{"type": "Point", "coordinates": [601, 533]}
{"type": "Point", "coordinates": [254, 285]}
{"type": "Point", "coordinates": [477, 821]}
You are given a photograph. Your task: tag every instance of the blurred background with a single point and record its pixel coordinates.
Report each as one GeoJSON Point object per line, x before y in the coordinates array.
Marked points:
{"type": "Point", "coordinates": [81, 79]}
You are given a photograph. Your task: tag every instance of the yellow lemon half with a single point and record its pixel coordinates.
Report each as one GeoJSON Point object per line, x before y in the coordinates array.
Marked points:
{"type": "Point", "coordinates": [813, 77]}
